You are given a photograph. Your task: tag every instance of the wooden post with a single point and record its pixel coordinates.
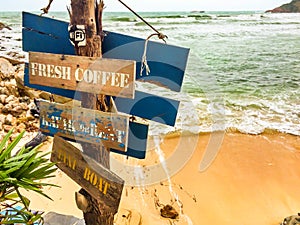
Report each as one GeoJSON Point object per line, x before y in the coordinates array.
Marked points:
{"type": "Point", "coordinates": [89, 14]}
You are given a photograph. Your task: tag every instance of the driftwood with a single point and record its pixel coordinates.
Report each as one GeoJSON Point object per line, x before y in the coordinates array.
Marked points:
{"type": "Point", "coordinates": [89, 14]}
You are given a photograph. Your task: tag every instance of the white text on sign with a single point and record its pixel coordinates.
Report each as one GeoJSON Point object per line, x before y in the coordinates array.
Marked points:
{"type": "Point", "coordinates": [85, 74]}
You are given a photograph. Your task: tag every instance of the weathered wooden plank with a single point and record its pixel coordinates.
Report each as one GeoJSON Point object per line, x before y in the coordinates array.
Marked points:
{"type": "Point", "coordinates": [100, 182]}
{"type": "Point", "coordinates": [144, 105]}
{"type": "Point", "coordinates": [85, 125]}
{"type": "Point", "coordinates": [167, 62]}
{"type": "Point", "coordinates": [85, 74]}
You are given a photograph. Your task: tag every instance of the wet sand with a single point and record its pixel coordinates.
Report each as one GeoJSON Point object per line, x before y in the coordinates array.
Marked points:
{"type": "Point", "coordinates": [253, 180]}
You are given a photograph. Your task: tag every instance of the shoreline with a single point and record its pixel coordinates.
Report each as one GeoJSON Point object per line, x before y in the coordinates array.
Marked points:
{"type": "Point", "coordinates": [253, 180]}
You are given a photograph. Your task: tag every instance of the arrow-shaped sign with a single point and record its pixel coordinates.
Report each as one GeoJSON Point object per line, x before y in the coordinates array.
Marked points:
{"type": "Point", "coordinates": [85, 74]}
{"type": "Point", "coordinates": [100, 182]}
{"type": "Point", "coordinates": [81, 124]}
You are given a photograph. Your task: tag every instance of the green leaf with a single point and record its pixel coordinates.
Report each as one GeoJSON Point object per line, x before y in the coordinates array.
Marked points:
{"type": "Point", "coordinates": [22, 151]}
{"type": "Point", "coordinates": [11, 196]}
{"type": "Point", "coordinates": [24, 200]}
{"type": "Point", "coordinates": [29, 169]}
{"type": "Point", "coordinates": [19, 157]}
{"type": "Point", "coordinates": [28, 162]}
{"type": "Point", "coordinates": [3, 175]}
{"type": "Point", "coordinates": [10, 220]}
{"type": "Point", "coordinates": [14, 168]}
{"type": "Point", "coordinates": [4, 141]}
{"type": "Point", "coordinates": [43, 171]}
{"type": "Point", "coordinates": [6, 153]}
{"type": "Point", "coordinates": [14, 143]}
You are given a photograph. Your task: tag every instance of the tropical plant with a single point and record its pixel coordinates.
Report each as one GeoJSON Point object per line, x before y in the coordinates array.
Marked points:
{"type": "Point", "coordinates": [25, 169]}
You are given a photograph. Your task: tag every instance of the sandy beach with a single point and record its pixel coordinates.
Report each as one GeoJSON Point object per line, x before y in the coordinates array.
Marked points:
{"type": "Point", "coordinates": [253, 180]}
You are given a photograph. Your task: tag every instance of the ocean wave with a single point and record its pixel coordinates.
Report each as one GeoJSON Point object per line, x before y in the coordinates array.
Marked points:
{"type": "Point", "coordinates": [270, 23]}
{"type": "Point", "coordinates": [167, 16]}
{"type": "Point", "coordinates": [123, 19]}
{"type": "Point", "coordinates": [223, 16]}
{"type": "Point", "coordinates": [229, 130]}
{"type": "Point", "coordinates": [200, 17]}
{"type": "Point", "coordinates": [168, 23]}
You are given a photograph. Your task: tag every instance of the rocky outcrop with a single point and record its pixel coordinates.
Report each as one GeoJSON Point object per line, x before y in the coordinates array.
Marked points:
{"type": "Point", "coordinates": [17, 101]}
{"type": "Point", "coordinates": [292, 7]}
{"type": "Point", "coordinates": [15, 105]}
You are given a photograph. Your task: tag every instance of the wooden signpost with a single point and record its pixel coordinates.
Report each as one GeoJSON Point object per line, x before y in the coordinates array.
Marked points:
{"type": "Point", "coordinates": [85, 74]}
{"type": "Point", "coordinates": [167, 63]}
{"type": "Point", "coordinates": [88, 77]}
{"type": "Point", "coordinates": [101, 183]}
{"type": "Point", "coordinates": [80, 124]}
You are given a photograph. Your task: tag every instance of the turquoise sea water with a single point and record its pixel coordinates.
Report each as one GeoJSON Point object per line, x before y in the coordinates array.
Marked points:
{"type": "Point", "coordinates": [243, 71]}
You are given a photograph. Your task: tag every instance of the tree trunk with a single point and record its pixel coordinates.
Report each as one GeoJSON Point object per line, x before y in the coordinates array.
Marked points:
{"type": "Point", "coordinates": [89, 13]}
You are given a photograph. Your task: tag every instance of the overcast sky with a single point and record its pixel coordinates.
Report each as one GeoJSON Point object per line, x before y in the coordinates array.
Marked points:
{"type": "Point", "coordinates": [148, 5]}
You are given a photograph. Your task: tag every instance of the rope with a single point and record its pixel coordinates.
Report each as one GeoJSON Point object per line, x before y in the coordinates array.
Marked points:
{"type": "Point", "coordinates": [160, 35]}
{"type": "Point", "coordinates": [144, 64]}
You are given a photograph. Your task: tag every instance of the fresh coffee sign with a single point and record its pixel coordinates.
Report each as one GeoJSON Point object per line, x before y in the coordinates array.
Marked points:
{"type": "Point", "coordinates": [86, 74]}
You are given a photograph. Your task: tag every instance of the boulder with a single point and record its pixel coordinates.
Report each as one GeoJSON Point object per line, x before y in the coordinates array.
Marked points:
{"type": "Point", "coordinates": [3, 98]}
{"type": "Point", "coordinates": [12, 60]}
{"type": "Point", "coordinates": [10, 98]}
{"type": "Point", "coordinates": [6, 69]}
{"type": "Point", "coordinates": [169, 212]}
{"type": "Point", "coordinates": [53, 218]}
{"type": "Point", "coordinates": [11, 86]}
{"type": "Point", "coordinates": [17, 110]}
{"type": "Point", "coordinates": [4, 91]}
{"type": "Point", "coordinates": [9, 120]}
{"type": "Point", "coordinates": [291, 220]}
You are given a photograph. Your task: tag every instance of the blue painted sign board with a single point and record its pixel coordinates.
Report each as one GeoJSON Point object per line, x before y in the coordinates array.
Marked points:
{"type": "Point", "coordinates": [167, 63]}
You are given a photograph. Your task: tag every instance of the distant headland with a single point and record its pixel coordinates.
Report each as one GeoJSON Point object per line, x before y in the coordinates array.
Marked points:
{"type": "Point", "coordinates": [292, 7]}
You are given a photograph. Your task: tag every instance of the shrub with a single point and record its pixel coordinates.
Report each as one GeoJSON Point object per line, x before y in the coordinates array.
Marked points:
{"type": "Point", "coordinates": [26, 169]}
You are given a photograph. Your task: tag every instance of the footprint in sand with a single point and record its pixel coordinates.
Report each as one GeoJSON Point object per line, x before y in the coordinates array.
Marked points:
{"type": "Point", "coordinates": [128, 217]}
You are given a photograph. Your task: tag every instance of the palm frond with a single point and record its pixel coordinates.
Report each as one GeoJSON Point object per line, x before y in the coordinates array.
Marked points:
{"type": "Point", "coordinates": [25, 170]}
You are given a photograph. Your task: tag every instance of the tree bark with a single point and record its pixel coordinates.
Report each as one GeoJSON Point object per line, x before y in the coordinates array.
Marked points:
{"type": "Point", "coordinates": [89, 13]}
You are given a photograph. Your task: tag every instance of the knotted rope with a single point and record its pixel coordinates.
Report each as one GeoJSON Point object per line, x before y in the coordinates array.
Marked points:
{"type": "Point", "coordinates": [144, 64]}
